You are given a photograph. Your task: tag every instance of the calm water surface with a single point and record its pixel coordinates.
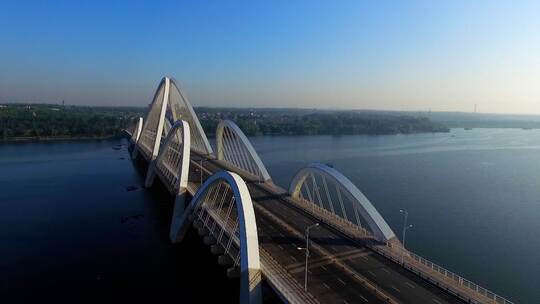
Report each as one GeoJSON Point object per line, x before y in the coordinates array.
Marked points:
{"type": "Point", "coordinates": [70, 230]}
{"type": "Point", "coordinates": [71, 233]}
{"type": "Point", "coordinates": [472, 196]}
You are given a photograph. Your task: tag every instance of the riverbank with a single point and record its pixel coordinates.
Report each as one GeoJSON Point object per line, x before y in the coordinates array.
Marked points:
{"type": "Point", "coordinates": [57, 138]}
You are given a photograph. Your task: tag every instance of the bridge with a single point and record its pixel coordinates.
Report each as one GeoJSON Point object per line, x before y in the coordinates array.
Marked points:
{"type": "Point", "coordinates": [319, 241]}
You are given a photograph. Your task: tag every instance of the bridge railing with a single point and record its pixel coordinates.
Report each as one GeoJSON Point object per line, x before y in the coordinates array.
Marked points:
{"type": "Point", "coordinates": [283, 281]}
{"type": "Point", "coordinates": [442, 277]}
{"type": "Point", "coordinates": [330, 217]}
{"type": "Point", "coordinates": [429, 270]}
{"type": "Point", "coordinates": [460, 280]}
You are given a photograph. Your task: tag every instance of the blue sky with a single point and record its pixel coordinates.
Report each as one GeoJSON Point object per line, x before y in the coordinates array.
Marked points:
{"type": "Point", "coordinates": [403, 55]}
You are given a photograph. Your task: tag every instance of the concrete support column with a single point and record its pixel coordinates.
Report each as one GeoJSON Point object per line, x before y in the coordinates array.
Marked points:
{"type": "Point", "coordinates": [225, 260]}
{"type": "Point", "coordinates": [179, 208]}
{"type": "Point", "coordinates": [209, 240]}
{"type": "Point", "coordinates": [233, 272]}
{"type": "Point", "coordinates": [250, 286]}
{"type": "Point", "coordinates": [135, 152]}
{"type": "Point", "coordinates": [150, 175]}
{"type": "Point", "coordinates": [217, 249]}
{"type": "Point", "coordinates": [203, 231]}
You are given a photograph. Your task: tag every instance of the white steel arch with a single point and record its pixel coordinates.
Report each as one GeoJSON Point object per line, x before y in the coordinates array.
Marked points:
{"type": "Point", "coordinates": [213, 203]}
{"type": "Point", "coordinates": [234, 148]}
{"type": "Point", "coordinates": [166, 128]}
{"type": "Point", "coordinates": [328, 188]}
{"type": "Point", "coordinates": [181, 109]}
{"type": "Point", "coordinates": [153, 125]}
{"type": "Point", "coordinates": [137, 130]}
{"type": "Point", "coordinates": [169, 105]}
{"type": "Point", "coordinates": [172, 162]}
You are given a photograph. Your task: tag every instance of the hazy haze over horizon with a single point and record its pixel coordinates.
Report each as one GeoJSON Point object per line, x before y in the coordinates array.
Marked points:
{"type": "Point", "coordinates": [416, 56]}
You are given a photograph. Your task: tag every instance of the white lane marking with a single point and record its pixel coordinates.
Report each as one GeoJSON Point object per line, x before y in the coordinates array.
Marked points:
{"type": "Point", "coordinates": [365, 258]}
{"type": "Point", "coordinates": [280, 247]}
{"type": "Point", "coordinates": [361, 296]}
{"type": "Point", "coordinates": [409, 284]}
{"type": "Point", "coordinates": [345, 302]}
{"type": "Point", "coordinates": [341, 281]}
{"type": "Point", "coordinates": [394, 287]}
{"type": "Point", "coordinates": [322, 266]}
{"type": "Point", "coordinates": [435, 300]}
{"type": "Point", "coordinates": [326, 285]}
{"type": "Point", "coordinates": [294, 259]}
{"type": "Point", "coordinates": [371, 272]}
{"type": "Point", "coordinates": [281, 234]}
{"type": "Point", "coordinates": [386, 270]}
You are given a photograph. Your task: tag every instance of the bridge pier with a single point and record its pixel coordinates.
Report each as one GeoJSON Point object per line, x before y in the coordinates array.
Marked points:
{"type": "Point", "coordinates": [217, 249]}
{"type": "Point", "coordinates": [197, 224]}
{"type": "Point", "coordinates": [250, 285]}
{"type": "Point", "coordinates": [209, 240]}
{"type": "Point", "coordinates": [178, 212]}
{"type": "Point", "coordinates": [233, 272]}
{"type": "Point", "coordinates": [135, 151]}
{"type": "Point", "coordinates": [225, 260]}
{"type": "Point", "coordinates": [150, 175]}
{"type": "Point", "coordinates": [203, 231]}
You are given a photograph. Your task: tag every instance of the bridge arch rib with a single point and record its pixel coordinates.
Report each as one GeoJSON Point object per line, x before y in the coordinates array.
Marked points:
{"type": "Point", "coordinates": [234, 148]}
{"type": "Point", "coordinates": [181, 109]}
{"type": "Point", "coordinates": [327, 188]}
{"type": "Point", "coordinates": [153, 124]}
{"type": "Point", "coordinates": [213, 206]}
{"type": "Point", "coordinates": [169, 105]}
{"type": "Point", "coordinates": [137, 130]}
{"type": "Point", "coordinates": [172, 162]}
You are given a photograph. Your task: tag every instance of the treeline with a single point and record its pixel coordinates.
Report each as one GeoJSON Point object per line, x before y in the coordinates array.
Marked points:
{"type": "Point", "coordinates": [321, 123]}
{"type": "Point", "coordinates": [50, 121]}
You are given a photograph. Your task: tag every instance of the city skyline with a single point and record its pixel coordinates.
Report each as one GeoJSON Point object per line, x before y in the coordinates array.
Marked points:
{"type": "Point", "coordinates": [416, 56]}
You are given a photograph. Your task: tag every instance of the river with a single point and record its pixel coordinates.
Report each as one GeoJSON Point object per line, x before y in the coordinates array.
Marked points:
{"type": "Point", "coordinates": [72, 230]}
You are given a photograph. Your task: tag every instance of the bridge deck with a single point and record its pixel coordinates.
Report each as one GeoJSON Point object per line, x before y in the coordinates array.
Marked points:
{"type": "Point", "coordinates": [341, 270]}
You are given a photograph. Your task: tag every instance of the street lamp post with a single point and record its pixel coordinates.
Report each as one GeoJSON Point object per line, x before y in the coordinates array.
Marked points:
{"type": "Point", "coordinates": [307, 254]}
{"type": "Point", "coordinates": [201, 168]}
{"type": "Point", "coordinates": [405, 228]}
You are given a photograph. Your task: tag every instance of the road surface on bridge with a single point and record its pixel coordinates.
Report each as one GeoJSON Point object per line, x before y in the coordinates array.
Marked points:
{"type": "Point", "coordinates": [338, 265]}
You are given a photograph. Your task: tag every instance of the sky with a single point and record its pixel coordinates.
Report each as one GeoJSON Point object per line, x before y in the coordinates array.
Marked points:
{"type": "Point", "coordinates": [388, 55]}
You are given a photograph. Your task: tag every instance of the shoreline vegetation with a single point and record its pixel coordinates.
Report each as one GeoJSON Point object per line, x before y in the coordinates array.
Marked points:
{"type": "Point", "coordinates": [56, 138]}
{"type": "Point", "coordinates": [47, 122]}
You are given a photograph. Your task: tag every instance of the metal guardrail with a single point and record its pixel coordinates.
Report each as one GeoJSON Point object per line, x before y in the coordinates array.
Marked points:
{"type": "Point", "coordinates": [281, 280]}
{"type": "Point", "coordinates": [460, 280]}
{"type": "Point", "coordinates": [317, 210]}
{"type": "Point", "coordinates": [433, 272]}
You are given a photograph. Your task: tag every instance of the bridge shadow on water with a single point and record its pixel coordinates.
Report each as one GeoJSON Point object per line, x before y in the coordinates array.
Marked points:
{"type": "Point", "coordinates": [194, 274]}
